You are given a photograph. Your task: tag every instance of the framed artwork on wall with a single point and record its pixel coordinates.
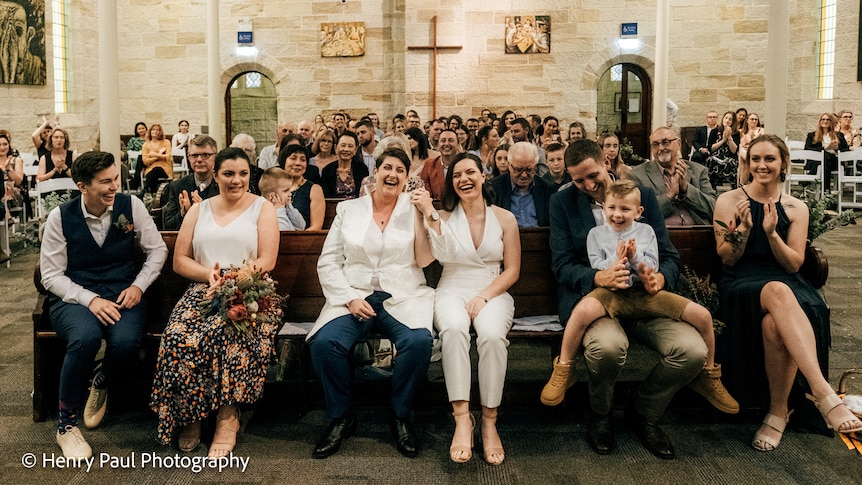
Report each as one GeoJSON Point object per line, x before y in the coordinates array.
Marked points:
{"type": "Point", "coordinates": [528, 34]}
{"type": "Point", "coordinates": [22, 42]}
{"type": "Point", "coordinates": [342, 39]}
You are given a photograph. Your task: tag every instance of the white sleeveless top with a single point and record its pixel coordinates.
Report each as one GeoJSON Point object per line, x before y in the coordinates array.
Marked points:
{"type": "Point", "coordinates": [228, 245]}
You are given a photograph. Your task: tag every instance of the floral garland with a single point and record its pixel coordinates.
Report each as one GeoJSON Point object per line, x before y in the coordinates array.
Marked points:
{"type": "Point", "coordinates": [245, 298]}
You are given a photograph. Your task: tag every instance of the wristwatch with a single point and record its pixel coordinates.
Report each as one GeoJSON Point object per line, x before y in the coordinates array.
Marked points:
{"type": "Point", "coordinates": [433, 217]}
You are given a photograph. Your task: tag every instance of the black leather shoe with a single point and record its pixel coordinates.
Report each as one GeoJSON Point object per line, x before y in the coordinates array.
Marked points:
{"type": "Point", "coordinates": [404, 436]}
{"type": "Point", "coordinates": [600, 435]}
{"type": "Point", "coordinates": [337, 431]}
{"type": "Point", "coordinates": [650, 435]}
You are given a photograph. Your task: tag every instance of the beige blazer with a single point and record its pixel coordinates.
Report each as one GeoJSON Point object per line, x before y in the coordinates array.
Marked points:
{"type": "Point", "coordinates": [345, 271]}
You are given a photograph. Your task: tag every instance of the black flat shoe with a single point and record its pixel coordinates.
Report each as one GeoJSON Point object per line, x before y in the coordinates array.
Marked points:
{"type": "Point", "coordinates": [337, 431]}
{"type": "Point", "coordinates": [600, 435]}
{"type": "Point", "coordinates": [404, 436]}
{"type": "Point", "coordinates": [650, 435]}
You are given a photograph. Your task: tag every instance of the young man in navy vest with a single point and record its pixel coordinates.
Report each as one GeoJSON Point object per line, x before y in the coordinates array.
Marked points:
{"type": "Point", "coordinates": [95, 288]}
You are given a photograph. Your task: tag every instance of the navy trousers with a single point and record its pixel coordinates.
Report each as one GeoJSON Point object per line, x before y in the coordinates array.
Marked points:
{"type": "Point", "coordinates": [330, 354]}
{"type": "Point", "coordinates": [83, 334]}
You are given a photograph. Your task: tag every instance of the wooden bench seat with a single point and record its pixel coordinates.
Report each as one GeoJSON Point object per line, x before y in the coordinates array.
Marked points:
{"type": "Point", "coordinates": [296, 273]}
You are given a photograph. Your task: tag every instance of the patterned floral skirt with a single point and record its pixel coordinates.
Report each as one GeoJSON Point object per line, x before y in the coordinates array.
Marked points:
{"type": "Point", "coordinates": [205, 364]}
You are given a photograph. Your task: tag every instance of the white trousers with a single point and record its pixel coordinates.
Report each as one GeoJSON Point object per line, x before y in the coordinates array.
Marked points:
{"type": "Point", "coordinates": [492, 325]}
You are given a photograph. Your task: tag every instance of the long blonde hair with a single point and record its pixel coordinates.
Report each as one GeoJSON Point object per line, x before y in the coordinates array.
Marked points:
{"type": "Point", "coordinates": [818, 133]}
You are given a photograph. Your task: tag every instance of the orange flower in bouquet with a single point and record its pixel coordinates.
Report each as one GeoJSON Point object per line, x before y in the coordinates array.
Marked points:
{"type": "Point", "coordinates": [245, 298]}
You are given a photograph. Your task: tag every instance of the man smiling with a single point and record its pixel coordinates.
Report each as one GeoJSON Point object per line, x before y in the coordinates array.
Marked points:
{"type": "Point", "coordinates": [95, 289]}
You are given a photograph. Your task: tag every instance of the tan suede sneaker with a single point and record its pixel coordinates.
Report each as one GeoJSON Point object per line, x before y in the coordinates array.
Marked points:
{"type": "Point", "coordinates": [708, 384]}
{"type": "Point", "coordinates": [561, 380]}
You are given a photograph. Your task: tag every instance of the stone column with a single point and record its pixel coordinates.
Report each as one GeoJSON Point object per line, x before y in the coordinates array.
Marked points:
{"type": "Point", "coordinates": [109, 91]}
{"type": "Point", "coordinates": [777, 51]}
{"type": "Point", "coordinates": [215, 97]}
{"type": "Point", "coordinates": [659, 99]}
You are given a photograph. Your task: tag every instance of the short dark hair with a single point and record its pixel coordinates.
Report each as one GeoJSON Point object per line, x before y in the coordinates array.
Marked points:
{"type": "Point", "coordinates": [88, 164]}
{"type": "Point", "coordinates": [393, 152]}
{"type": "Point", "coordinates": [450, 197]}
{"type": "Point", "coordinates": [350, 134]}
{"type": "Point", "coordinates": [483, 133]}
{"type": "Point", "coordinates": [524, 124]}
{"type": "Point", "coordinates": [366, 122]}
{"type": "Point", "coordinates": [289, 150]}
{"type": "Point", "coordinates": [231, 153]}
{"type": "Point", "coordinates": [555, 146]}
{"type": "Point", "coordinates": [580, 150]}
{"type": "Point", "coordinates": [289, 138]}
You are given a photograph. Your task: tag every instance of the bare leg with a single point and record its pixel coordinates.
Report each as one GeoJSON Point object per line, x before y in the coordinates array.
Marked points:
{"type": "Point", "coordinates": [584, 313]}
{"type": "Point", "coordinates": [780, 371]}
{"type": "Point", "coordinates": [699, 317]}
{"type": "Point", "coordinates": [793, 332]}
{"type": "Point", "coordinates": [227, 425]}
{"type": "Point", "coordinates": [491, 443]}
{"type": "Point", "coordinates": [462, 441]}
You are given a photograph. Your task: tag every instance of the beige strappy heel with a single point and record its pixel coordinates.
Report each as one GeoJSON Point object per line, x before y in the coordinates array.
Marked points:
{"type": "Point", "coordinates": [466, 452]}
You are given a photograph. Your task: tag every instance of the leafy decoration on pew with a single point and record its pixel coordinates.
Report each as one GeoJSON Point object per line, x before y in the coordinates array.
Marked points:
{"type": "Point", "coordinates": [245, 298]}
{"type": "Point", "coordinates": [703, 291]}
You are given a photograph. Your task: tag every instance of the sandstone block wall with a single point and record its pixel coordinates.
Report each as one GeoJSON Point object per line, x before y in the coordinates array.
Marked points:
{"type": "Point", "coordinates": [717, 60]}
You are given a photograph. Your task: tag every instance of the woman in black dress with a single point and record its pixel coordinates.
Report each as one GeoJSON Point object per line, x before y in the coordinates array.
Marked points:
{"type": "Point", "coordinates": [764, 297]}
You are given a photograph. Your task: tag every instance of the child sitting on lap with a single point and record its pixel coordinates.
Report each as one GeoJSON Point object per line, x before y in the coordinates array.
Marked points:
{"type": "Point", "coordinates": [275, 186]}
{"type": "Point", "coordinates": [623, 239]}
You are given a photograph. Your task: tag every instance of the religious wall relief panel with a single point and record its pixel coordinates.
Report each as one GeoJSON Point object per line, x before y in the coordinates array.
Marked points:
{"type": "Point", "coordinates": [22, 41]}
{"type": "Point", "coordinates": [342, 39]}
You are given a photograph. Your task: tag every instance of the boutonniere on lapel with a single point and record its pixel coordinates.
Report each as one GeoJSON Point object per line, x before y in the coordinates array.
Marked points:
{"type": "Point", "coordinates": [124, 225]}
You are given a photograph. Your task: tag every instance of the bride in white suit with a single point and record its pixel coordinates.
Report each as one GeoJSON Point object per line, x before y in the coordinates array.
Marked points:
{"type": "Point", "coordinates": [480, 249]}
{"type": "Point", "coordinates": [370, 270]}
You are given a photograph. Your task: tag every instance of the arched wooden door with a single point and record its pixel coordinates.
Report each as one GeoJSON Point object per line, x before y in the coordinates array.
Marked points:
{"type": "Point", "coordinates": [624, 98]}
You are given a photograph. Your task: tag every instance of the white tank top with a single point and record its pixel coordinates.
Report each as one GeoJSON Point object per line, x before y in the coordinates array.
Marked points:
{"type": "Point", "coordinates": [228, 245]}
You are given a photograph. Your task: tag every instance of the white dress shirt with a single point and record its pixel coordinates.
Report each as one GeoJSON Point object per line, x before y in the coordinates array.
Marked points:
{"type": "Point", "coordinates": [54, 258]}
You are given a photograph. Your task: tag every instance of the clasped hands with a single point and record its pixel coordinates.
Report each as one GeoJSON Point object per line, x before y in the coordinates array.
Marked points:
{"type": "Point", "coordinates": [108, 312]}
{"type": "Point", "coordinates": [616, 277]}
{"type": "Point", "coordinates": [679, 179]}
{"type": "Point", "coordinates": [186, 201]}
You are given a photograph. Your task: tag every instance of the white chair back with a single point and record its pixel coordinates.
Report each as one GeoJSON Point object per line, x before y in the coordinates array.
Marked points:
{"type": "Point", "coordinates": [29, 159]}
{"type": "Point", "coordinates": [849, 179]}
{"type": "Point", "coordinates": [181, 164]}
{"type": "Point", "coordinates": [795, 144]}
{"type": "Point", "coordinates": [51, 185]}
{"type": "Point", "coordinates": [797, 171]}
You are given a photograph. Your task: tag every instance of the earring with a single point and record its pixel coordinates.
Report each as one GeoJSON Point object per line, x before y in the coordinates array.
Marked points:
{"type": "Point", "coordinates": [782, 176]}
{"type": "Point", "coordinates": [750, 177]}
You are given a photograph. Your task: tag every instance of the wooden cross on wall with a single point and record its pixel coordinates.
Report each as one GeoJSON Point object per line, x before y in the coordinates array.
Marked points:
{"type": "Point", "coordinates": [433, 47]}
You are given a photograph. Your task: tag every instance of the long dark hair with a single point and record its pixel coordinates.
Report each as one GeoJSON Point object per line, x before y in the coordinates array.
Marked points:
{"type": "Point", "coordinates": [450, 197]}
{"type": "Point", "coordinates": [421, 139]}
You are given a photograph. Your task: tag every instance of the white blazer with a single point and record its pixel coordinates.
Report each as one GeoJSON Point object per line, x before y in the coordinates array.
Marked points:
{"type": "Point", "coordinates": [345, 272]}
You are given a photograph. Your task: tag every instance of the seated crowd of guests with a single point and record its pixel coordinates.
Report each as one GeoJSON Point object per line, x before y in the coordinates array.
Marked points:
{"type": "Point", "coordinates": [610, 252]}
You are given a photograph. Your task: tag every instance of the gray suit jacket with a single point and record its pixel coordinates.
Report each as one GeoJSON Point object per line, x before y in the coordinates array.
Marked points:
{"type": "Point", "coordinates": [699, 197]}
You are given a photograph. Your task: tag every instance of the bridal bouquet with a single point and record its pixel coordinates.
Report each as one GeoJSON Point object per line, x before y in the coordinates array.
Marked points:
{"type": "Point", "coordinates": [245, 297]}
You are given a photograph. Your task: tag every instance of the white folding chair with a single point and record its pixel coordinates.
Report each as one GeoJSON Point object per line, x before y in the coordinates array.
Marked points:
{"type": "Point", "coordinates": [133, 160]}
{"type": "Point", "coordinates": [51, 185]}
{"type": "Point", "coordinates": [181, 164]}
{"type": "Point", "coordinates": [29, 159]}
{"type": "Point", "coordinates": [850, 162]}
{"type": "Point", "coordinates": [796, 173]}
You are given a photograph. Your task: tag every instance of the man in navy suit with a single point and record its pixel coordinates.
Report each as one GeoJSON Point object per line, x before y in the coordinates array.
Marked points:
{"type": "Point", "coordinates": [701, 135]}
{"type": "Point", "coordinates": [574, 211]}
{"type": "Point", "coordinates": [521, 191]}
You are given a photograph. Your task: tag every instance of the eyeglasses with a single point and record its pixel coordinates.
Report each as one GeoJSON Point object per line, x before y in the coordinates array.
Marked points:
{"type": "Point", "coordinates": [200, 156]}
{"type": "Point", "coordinates": [522, 171]}
{"type": "Point", "coordinates": [847, 116]}
{"type": "Point", "coordinates": [663, 143]}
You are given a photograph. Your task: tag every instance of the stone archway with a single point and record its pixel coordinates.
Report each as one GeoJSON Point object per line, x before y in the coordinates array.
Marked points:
{"type": "Point", "coordinates": [251, 106]}
{"type": "Point", "coordinates": [640, 62]}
